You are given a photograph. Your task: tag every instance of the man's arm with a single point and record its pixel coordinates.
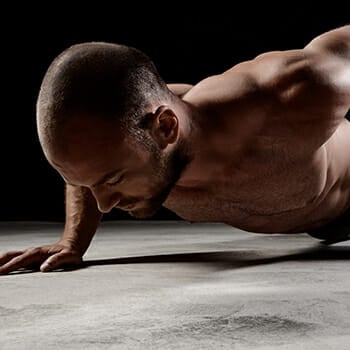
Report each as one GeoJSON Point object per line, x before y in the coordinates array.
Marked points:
{"type": "Point", "coordinates": [82, 219]}
{"type": "Point", "coordinates": [336, 42]}
{"type": "Point", "coordinates": [331, 74]}
{"type": "Point", "coordinates": [306, 92]}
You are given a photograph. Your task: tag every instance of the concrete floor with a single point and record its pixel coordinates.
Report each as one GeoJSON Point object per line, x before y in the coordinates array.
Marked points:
{"type": "Point", "coordinates": [175, 285]}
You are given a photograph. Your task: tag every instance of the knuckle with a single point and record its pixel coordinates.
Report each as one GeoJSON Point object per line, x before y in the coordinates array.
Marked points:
{"type": "Point", "coordinates": [33, 250]}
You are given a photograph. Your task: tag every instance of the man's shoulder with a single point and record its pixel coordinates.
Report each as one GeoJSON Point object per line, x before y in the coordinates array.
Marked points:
{"type": "Point", "coordinates": [223, 88]}
{"type": "Point", "coordinates": [256, 85]}
{"type": "Point", "coordinates": [250, 77]}
{"type": "Point", "coordinates": [179, 89]}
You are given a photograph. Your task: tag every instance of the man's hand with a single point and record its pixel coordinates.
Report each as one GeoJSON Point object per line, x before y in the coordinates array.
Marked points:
{"type": "Point", "coordinates": [47, 258]}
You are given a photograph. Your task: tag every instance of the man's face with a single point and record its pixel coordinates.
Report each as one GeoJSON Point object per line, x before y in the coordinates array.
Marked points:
{"type": "Point", "coordinates": [95, 154]}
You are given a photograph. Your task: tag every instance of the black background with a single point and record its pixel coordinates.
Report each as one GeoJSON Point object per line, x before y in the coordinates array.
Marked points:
{"type": "Point", "coordinates": [187, 44]}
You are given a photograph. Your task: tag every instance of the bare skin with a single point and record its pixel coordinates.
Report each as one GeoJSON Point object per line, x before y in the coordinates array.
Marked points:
{"type": "Point", "coordinates": [267, 147]}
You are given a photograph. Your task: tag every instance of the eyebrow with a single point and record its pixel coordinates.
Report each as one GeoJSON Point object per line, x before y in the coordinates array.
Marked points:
{"type": "Point", "coordinates": [105, 178]}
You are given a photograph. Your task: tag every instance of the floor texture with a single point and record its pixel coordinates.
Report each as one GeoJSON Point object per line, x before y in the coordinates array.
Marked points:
{"type": "Point", "coordinates": [174, 285]}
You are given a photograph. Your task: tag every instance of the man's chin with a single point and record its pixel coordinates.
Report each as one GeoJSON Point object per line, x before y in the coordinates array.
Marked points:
{"type": "Point", "coordinates": [150, 207]}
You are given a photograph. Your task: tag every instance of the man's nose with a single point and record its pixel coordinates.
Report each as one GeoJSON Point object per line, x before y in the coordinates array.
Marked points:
{"type": "Point", "coordinates": [106, 200]}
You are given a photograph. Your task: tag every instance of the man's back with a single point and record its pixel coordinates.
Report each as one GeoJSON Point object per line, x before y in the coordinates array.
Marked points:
{"type": "Point", "coordinates": [271, 153]}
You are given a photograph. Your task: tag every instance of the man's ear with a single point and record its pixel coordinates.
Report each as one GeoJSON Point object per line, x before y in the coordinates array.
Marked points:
{"type": "Point", "coordinates": [163, 126]}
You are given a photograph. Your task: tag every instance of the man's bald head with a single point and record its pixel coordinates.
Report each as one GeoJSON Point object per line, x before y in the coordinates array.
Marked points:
{"type": "Point", "coordinates": [102, 80]}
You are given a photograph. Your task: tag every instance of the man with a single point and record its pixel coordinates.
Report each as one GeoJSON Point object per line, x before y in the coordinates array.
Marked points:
{"type": "Point", "coordinates": [263, 147]}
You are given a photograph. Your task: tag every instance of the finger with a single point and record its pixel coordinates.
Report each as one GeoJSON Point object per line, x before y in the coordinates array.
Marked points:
{"type": "Point", "coordinates": [27, 258]}
{"type": "Point", "coordinates": [59, 260]}
{"type": "Point", "coordinates": [6, 257]}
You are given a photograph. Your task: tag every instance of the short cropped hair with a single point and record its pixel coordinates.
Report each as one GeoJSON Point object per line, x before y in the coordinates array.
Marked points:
{"type": "Point", "coordinates": [100, 79]}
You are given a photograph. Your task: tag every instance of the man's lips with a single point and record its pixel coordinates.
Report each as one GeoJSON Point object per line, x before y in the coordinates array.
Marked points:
{"type": "Point", "coordinates": [130, 206]}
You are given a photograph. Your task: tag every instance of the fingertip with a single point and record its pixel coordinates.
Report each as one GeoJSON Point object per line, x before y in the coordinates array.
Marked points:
{"type": "Point", "coordinates": [45, 267]}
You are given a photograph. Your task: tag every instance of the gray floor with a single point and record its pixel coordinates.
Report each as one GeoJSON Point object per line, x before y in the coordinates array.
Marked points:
{"type": "Point", "coordinates": [175, 285]}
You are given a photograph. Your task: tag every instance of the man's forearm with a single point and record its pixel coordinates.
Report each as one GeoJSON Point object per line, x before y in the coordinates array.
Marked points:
{"type": "Point", "coordinates": [82, 217]}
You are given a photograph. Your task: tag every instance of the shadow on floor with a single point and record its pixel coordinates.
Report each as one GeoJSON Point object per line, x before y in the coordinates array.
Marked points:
{"type": "Point", "coordinates": [220, 260]}
{"type": "Point", "coordinates": [229, 259]}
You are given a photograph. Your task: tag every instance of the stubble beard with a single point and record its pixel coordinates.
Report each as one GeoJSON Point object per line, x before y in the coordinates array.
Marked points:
{"type": "Point", "coordinates": [168, 172]}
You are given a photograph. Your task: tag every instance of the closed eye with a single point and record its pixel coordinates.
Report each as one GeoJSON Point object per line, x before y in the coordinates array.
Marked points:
{"type": "Point", "coordinates": [115, 182]}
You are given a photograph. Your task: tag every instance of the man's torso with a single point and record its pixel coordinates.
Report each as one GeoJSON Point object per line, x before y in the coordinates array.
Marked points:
{"type": "Point", "coordinates": [267, 192]}
{"type": "Point", "coordinates": [260, 170]}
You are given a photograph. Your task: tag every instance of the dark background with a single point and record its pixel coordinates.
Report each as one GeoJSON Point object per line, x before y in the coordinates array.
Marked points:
{"type": "Point", "coordinates": [186, 44]}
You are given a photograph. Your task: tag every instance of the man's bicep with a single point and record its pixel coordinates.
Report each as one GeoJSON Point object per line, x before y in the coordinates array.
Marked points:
{"type": "Point", "coordinates": [308, 99]}
{"type": "Point", "coordinates": [327, 89]}
{"type": "Point", "coordinates": [335, 42]}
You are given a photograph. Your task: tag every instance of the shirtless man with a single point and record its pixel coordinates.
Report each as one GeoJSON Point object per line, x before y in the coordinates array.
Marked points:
{"type": "Point", "coordinates": [263, 146]}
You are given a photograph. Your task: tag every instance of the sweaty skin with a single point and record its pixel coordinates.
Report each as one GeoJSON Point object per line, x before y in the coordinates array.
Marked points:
{"type": "Point", "coordinates": [268, 152]}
